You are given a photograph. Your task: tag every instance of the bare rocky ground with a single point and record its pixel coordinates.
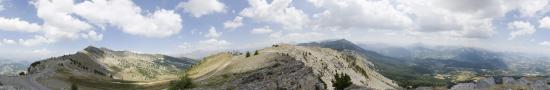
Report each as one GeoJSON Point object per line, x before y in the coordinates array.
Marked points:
{"type": "Point", "coordinates": [286, 67]}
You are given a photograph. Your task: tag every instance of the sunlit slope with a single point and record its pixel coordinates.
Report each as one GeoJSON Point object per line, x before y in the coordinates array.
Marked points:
{"type": "Point", "coordinates": [285, 66]}
{"type": "Point", "coordinates": [100, 68]}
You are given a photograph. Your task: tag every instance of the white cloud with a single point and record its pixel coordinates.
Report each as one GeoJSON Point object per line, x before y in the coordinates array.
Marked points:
{"type": "Point", "coordinates": [214, 42]}
{"type": "Point", "coordinates": [58, 23]}
{"type": "Point", "coordinates": [127, 16]}
{"type": "Point", "coordinates": [520, 28]}
{"type": "Point", "coordinates": [41, 52]}
{"type": "Point", "coordinates": [278, 11]}
{"type": "Point", "coordinates": [364, 14]}
{"type": "Point", "coordinates": [279, 37]}
{"type": "Point", "coordinates": [92, 35]}
{"type": "Point", "coordinates": [235, 23]}
{"type": "Point", "coordinates": [185, 45]}
{"type": "Point", "coordinates": [530, 7]}
{"type": "Point", "coordinates": [62, 20]}
{"type": "Point", "coordinates": [545, 43]}
{"type": "Point", "coordinates": [14, 24]}
{"type": "Point", "coordinates": [544, 22]}
{"type": "Point", "coordinates": [208, 45]}
{"type": "Point", "coordinates": [212, 33]}
{"type": "Point", "coordinates": [198, 8]}
{"type": "Point", "coordinates": [454, 18]}
{"type": "Point", "coordinates": [457, 18]}
{"type": "Point", "coordinates": [262, 30]}
{"type": "Point", "coordinates": [8, 41]}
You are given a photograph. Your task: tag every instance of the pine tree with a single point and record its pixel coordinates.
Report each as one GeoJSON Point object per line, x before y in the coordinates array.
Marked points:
{"type": "Point", "coordinates": [256, 52]}
{"type": "Point", "coordinates": [247, 54]}
{"type": "Point", "coordinates": [74, 87]}
{"type": "Point", "coordinates": [342, 81]}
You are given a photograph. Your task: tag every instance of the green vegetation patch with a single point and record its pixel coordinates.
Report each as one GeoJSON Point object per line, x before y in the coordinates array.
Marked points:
{"type": "Point", "coordinates": [341, 81]}
{"type": "Point", "coordinates": [184, 83]}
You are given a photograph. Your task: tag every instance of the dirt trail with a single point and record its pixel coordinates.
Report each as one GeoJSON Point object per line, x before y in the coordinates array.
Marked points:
{"type": "Point", "coordinates": [211, 73]}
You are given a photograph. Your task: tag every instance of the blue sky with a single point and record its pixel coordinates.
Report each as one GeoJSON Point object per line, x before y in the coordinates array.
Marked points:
{"type": "Point", "coordinates": [36, 29]}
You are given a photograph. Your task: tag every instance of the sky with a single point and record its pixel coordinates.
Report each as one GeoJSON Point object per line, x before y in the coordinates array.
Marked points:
{"type": "Point", "coordinates": [38, 29]}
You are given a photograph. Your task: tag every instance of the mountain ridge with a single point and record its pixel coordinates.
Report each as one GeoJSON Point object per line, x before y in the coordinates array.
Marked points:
{"type": "Point", "coordinates": [281, 65]}
{"type": "Point", "coordinates": [103, 68]}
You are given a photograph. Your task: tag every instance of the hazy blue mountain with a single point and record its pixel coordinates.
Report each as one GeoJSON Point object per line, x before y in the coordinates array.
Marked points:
{"type": "Point", "coordinates": [401, 70]}
{"type": "Point", "coordinates": [12, 68]}
{"type": "Point", "coordinates": [417, 64]}
{"type": "Point", "coordinates": [475, 59]}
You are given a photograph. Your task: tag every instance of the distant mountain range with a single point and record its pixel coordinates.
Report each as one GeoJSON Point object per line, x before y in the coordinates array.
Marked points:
{"type": "Point", "coordinates": [281, 66]}
{"type": "Point", "coordinates": [13, 68]}
{"type": "Point", "coordinates": [313, 65]}
{"type": "Point", "coordinates": [418, 65]}
{"type": "Point", "coordinates": [501, 63]}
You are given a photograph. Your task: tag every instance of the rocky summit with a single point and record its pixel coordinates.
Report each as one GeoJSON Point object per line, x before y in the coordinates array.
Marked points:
{"type": "Point", "coordinates": [286, 67]}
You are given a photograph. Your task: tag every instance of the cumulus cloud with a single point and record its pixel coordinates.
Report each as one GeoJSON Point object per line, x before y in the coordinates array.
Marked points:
{"type": "Point", "coordinates": [67, 20]}
{"type": "Point", "coordinates": [460, 18]}
{"type": "Point", "coordinates": [457, 18]}
{"type": "Point", "coordinates": [198, 8]}
{"type": "Point", "coordinates": [58, 23]}
{"type": "Point", "coordinates": [203, 47]}
{"type": "Point", "coordinates": [8, 41]}
{"type": "Point", "coordinates": [545, 43]}
{"type": "Point", "coordinates": [92, 35]}
{"type": "Point", "coordinates": [15, 24]}
{"type": "Point", "coordinates": [235, 23]}
{"type": "Point", "coordinates": [530, 7]}
{"type": "Point", "coordinates": [262, 30]}
{"type": "Point", "coordinates": [212, 43]}
{"type": "Point", "coordinates": [212, 33]}
{"type": "Point", "coordinates": [364, 14]}
{"type": "Point", "coordinates": [544, 23]}
{"type": "Point", "coordinates": [127, 16]}
{"type": "Point", "coordinates": [41, 52]}
{"type": "Point", "coordinates": [278, 12]}
{"type": "Point", "coordinates": [520, 28]}
{"type": "Point", "coordinates": [293, 37]}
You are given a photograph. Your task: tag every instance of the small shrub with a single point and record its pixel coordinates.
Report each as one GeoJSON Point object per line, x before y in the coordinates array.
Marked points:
{"type": "Point", "coordinates": [184, 83]}
{"type": "Point", "coordinates": [256, 52]}
{"type": "Point", "coordinates": [247, 54]}
{"type": "Point", "coordinates": [341, 81]}
{"type": "Point", "coordinates": [74, 87]}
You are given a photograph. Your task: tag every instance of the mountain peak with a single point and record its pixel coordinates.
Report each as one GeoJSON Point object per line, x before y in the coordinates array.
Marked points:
{"type": "Point", "coordinates": [341, 40]}
{"type": "Point", "coordinates": [93, 49]}
{"type": "Point", "coordinates": [339, 44]}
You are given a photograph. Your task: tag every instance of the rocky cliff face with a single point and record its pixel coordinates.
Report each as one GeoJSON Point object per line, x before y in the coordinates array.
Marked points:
{"type": "Point", "coordinates": [286, 67]}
